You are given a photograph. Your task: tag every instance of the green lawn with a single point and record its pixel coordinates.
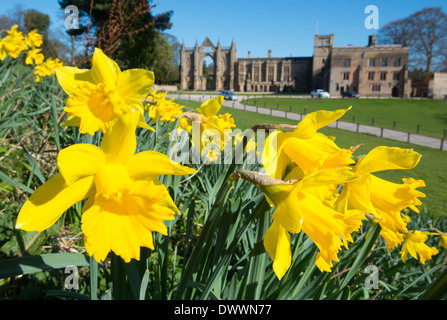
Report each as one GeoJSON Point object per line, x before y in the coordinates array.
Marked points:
{"type": "Point", "coordinates": [431, 167]}
{"type": "Point", "coordinates": [402, 114]}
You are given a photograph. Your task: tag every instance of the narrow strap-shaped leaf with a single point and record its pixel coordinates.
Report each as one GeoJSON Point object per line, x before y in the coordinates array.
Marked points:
{"type": "Point", "coordinates": [38, 263]}
{"type": "Point", "coordinates": [367, 246]}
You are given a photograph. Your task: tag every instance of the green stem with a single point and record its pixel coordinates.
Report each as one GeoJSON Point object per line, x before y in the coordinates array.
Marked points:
{"type": "Point", "coordinates": [119, 283]}
{"type": "Point", "coordinates": [93, 279]}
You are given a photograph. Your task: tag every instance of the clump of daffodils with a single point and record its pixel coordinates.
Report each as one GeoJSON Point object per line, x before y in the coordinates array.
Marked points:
{"type": "Point", "coordinates": [318, 188]}
{"type": "Point", "coordinates": [15, 43]}
{"type": "Point", "coordinates": [47, 68]}
{"type": "Point", "coordinates": [212, 126]}
{"type": "Point", "coordinates": [162, 109]}
{"type": "Point", "coordinates": [12, 44]}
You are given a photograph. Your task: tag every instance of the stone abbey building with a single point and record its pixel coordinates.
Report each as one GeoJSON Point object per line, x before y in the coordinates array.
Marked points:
{"type": "Point", "coordinates": [372, 70]}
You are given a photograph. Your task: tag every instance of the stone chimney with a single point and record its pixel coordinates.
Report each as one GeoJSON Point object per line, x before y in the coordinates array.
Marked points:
{"type": "Point", "coordinates": [372, 41]}
{"type": "Point", "coordinates": [248, 54]}
{"type": "Point", "coordinates": [270, 53]}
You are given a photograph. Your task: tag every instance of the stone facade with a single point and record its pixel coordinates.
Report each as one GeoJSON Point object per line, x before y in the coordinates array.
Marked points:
{"type": "Point", "coordinates": [437, 86]}
{"type": "Point", "coordinates": [372, 70]}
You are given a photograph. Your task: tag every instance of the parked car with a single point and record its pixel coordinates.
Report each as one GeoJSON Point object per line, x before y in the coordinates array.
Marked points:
{"type": "Point", "coordinates": [320, 93]}
{"type": "Point", "coordinates": [350, 94]}
{"type": "Point", "coordinates": [229, 95]}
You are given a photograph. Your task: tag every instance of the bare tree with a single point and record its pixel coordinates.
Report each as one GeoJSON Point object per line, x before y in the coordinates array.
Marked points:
{"type": "Point", "coordinates": [425, 32]}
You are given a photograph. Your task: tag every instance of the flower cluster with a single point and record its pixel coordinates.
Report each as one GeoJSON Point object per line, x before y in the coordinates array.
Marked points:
{"type": "Point", "coordinates": [212, 127]}
{"type": "Point", "coordinates": [161, 108]}
{"type": "Point", "coordinates": [47, 68]}
{"type": "Point", "coordinates": [124, 201]}
{"type": "Point", "coordinates": [318, 188]}
{"type": "Point", "coordinates": [15, 43]}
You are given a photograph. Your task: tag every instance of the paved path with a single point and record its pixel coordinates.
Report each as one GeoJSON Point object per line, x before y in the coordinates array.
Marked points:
{"type": "Point", "coordinates": [417, 139]}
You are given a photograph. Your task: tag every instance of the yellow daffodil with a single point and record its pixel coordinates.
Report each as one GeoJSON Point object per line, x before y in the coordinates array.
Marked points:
{"type": "Point", "coordinates": [305, 147]}
{"type": "Point", "coordinates": [125, 201]}
{"type": "Point", "coordinates": [13, 44]}
{"type": "Point", "coordinates": [298, 206]}
{"type": "Point", "coordinates": [212, 156]}
{"type": "Point", "coordinates": [98, 96]}
{"type": "Point", "coordinates": [34, 57]}
{"type": "Point", "coordinates": [443, 240]}
{"type": "Point", "coordinates": [34, 39]}
{"type": "Point", "coordinates": [163, 109]}
{"type": "Point", "coordinates": [227, 120]}
{"type": "Point", "coordinates": [384, 199]}
{"type": "Point", "coordinates": [211, 124]}
{"type": "Point", "coordinates": [415, 246]}
{"type": "Point", "coordinates": [48, 67]}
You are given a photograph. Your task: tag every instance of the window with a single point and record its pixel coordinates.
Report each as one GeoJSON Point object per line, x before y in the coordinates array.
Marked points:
{"type": "Point", "coordinates": [396, 76]}
{"type": "Point", "coordinates": [397, 62]}
{"type": "Point", "coordinates": [372, 62]}
{"type": "Point", "coordinates": [256, 74]}
{"type": "Point", "coordinates": [345, 75]}
{"type": "Point", "coordinates": [370, 75]}
{"type": "Point", "coordinates": [383, 76]}
{"type": "Point", "coordinates": [270, 73]}
{"type": "Point", "coordinates": [286, 73]}
{"type": "Point", "coordinates": [376, 87]}
{"type": "Point", "coordinates": [347, 62]}
{"type": "Point", "coordinates": [384, 62]}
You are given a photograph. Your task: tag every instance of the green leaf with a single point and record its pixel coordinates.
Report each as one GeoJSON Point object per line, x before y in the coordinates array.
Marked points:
{"type": "Point", "coordinates": [143, 286]}
{"type": "Point", "coordinates": [42, 262]}
{"type": "Point", "coordinates": [367, 245]}
{"type": "Point", "coordinates": [438, 288]}
{"type": "Point", "coordinates": [14, 183]}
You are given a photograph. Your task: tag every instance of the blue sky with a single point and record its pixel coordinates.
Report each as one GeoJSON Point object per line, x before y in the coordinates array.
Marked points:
{"type": "Point", "coordinates": [287, 27]}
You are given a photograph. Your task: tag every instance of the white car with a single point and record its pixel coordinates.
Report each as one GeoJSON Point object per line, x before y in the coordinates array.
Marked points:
{"type": "Point", "coordinates": [229, 95]}
{"type": "Point", "coordinates": [320, 93]}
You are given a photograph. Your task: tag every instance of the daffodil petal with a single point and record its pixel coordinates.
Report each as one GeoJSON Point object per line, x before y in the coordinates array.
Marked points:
{"type": "Point", "coordinates": [277, 244]}
{"type": "Point", "coordinates": [119, 142]}
{"type": "Point", "coordinates": [387, 158]}
{"type": "Point", "coordinates": [307, 127]}
{"type": "Point", "coordinates": [287, 212]}
{"type": "Point", "coordinates": [72, 121]}
{"type": "Point", "coordinates": [79, 160]}
{"type": "Point", "coordinates": [149, 165]}
{"type": "Point", "coordinates": [46, 205]}
{"type": "Point", "coordinates": [275, 164]}
{"type": "Point", "coordinates": [104, 69]}
{"type": "Point", "coordinates": [357, 193]}
{"type": "Point", "coordinates": [211, 107]}
{"type": "Point", "coordinates": [69, 77]}
{"type": "Point", "coordinates": [142, 123]}
{"type": "Point", "coordinates": [136, 83]}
